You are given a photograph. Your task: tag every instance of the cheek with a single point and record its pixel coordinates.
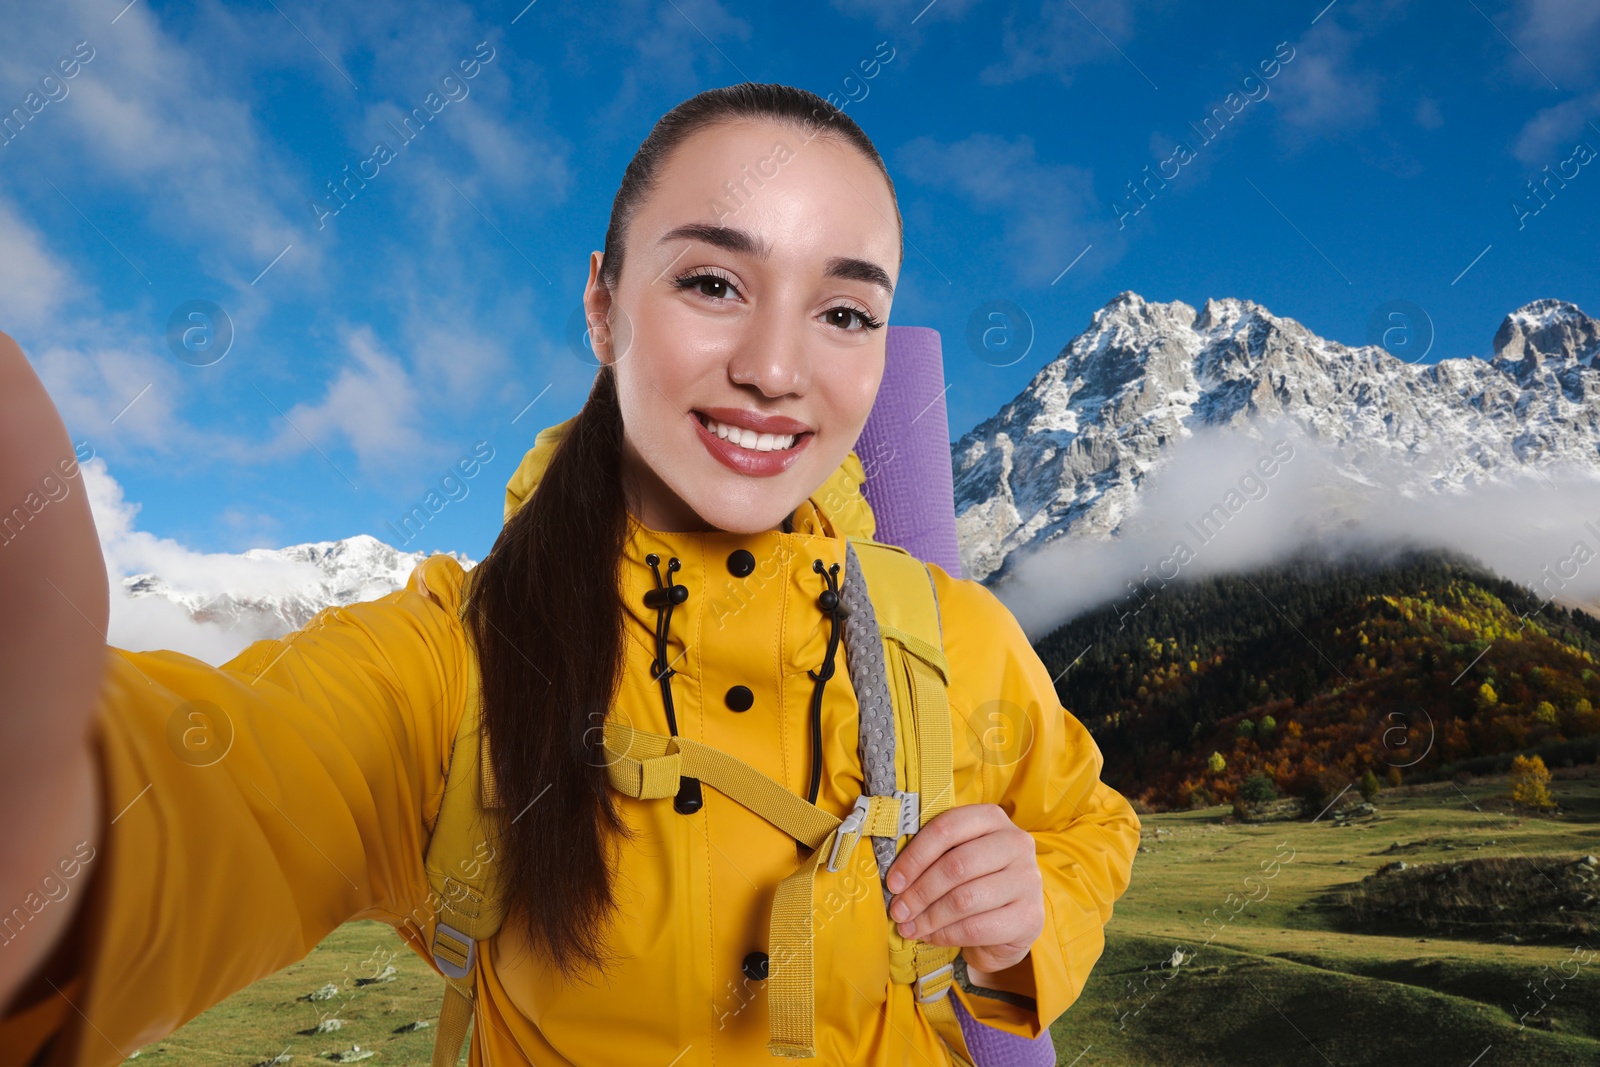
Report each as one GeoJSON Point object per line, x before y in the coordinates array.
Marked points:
{"type": "Point", "coordinates": [655, 409]}
{"type": "Point", "coordinates": [849, 402]}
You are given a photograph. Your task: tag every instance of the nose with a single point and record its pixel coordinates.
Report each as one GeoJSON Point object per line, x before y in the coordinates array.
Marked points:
{"type": "Point", "coordinates": [775, 360]}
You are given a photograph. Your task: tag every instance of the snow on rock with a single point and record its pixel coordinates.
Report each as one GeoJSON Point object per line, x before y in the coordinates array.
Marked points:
{"type": "Point", "coordinates": [272, 592]}
{"type": "Point", "coordinates": [1067, 457]}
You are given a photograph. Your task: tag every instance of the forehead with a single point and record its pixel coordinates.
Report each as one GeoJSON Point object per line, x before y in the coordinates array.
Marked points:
{"type": "Point", "coordinates": [820, 197]}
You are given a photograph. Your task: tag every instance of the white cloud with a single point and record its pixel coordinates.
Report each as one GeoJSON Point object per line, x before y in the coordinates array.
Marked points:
{"type": "Point", "coordinates": [159, 122]}
{"type": "Point", "coordinates": [1515, 530]}
{"type": "Point", "coordinates": [1048, 209]}
{"type": "Point", "coordinates": [1320, 91]}
{"type": "Point", "coordinates": [671, 42]}
{"type": "Point", "coordinates": [898, 14]}
{"type": "Point", "coordinates": [1065, 35]}
{"type": "Point", "coordinates": [33, 282]}
{"type": "Point", "coordinates": [1561, 36]}
{"type": "Point", "coordinates": [1551, 134]}
{"type": "Point", "coordinates": [152, 622]}
{"type": "Point", "coordinates": [372, 404]}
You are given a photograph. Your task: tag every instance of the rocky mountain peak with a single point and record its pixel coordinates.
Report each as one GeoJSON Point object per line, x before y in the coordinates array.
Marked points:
{"type": "Point", "coordinates": [1547, 333]}
{"type": "Point", "coordinates": [1225, 315]}
{"type": "Point", "coordinates": [1068, 456]}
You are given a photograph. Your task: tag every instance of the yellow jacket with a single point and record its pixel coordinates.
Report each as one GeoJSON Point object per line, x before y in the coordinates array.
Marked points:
{"type": "Point", "coordinates": [260, 805]}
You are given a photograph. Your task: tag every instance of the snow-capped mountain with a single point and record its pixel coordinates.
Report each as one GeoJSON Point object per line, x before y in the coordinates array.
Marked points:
{"type": "Point", "coordinates": [271, 592]}
{"type": "Point", "coordinates": [1068, 456]}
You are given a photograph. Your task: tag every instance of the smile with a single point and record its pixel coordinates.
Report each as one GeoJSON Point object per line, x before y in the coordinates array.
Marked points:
{"type": "Point", "coordinates": [744, 451]}
{"type": "Point", "coordinates": [748, 439]}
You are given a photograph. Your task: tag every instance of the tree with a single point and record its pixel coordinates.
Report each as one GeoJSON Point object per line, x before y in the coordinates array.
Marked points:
{"type": "Point", "coordinates": [1216, 764]}
{"type": "Point", "coordinates": [1487, 697]}
{"type": "Point", "coordinates": [1530, 783]}
{"type": "Point", "coordinates": [1246, 728]}
{"type": "Point", "coordinates": [1545, 713]}
{"type": "Point", "coordinates": [1266, 727]}
{"type": "Point", "coordinates": [1258, 789]}
{"type": "Point", "coordinates": [1584, 719]}
{"type": "Point", "coordinates": [1369, 785]}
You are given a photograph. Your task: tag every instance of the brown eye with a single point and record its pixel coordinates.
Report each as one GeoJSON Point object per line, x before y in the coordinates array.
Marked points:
{"type": "Point", "coordinates": [867, 321]}
{"type": "Point", "coordinates": [700, 280]}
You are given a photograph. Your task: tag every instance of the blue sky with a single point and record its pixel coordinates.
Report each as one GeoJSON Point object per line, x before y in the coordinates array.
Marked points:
{"type": "Point", "coordinates": [1382, 161]}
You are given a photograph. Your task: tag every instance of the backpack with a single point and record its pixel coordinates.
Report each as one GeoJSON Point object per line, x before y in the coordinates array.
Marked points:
{"type": "Point", "coordinates": [898, 669]}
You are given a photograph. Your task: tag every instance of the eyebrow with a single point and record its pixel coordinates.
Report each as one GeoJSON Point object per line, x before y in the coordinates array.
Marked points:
{"type": "Point", "coordinates": [745, 243]}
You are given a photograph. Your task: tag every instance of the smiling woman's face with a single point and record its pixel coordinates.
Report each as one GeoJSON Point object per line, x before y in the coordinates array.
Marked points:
{"type": "Point", "coordinates": [753, 319]}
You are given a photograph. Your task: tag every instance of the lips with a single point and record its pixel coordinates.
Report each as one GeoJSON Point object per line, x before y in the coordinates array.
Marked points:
{"type": "Point", "coordinates": [748, 439]}
{"type": "Point", "coordinates": [752, 461]}
{"type": "Point", "coordinates": [759, 421]}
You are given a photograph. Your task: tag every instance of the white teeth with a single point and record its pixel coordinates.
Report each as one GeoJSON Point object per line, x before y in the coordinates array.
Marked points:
{"type": "Point", "coordinates": [756, 442]}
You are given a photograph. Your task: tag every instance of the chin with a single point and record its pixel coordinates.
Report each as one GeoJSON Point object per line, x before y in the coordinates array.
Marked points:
{"type": "Point", "coordinates": [756, 518]}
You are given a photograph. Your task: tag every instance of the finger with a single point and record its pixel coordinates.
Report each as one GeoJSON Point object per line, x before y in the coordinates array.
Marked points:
{"type": "Point", "coordinates": [966, 898]}
{"type": "Point", "coordinates": [1017, 922]}
{"type": "Point", "coordinates": [943, 831]}
{"type": "Point", "coordinates": [966, 861]}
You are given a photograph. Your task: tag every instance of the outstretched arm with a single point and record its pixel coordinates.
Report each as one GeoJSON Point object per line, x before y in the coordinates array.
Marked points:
{"type": "Point", "coordinates": [54, 607]}
{"type": "Point", "coordinates": [248, 809]}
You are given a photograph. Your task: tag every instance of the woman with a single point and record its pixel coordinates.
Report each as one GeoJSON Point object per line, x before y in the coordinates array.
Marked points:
{"type": "Point", "coordinates": [740, 355]}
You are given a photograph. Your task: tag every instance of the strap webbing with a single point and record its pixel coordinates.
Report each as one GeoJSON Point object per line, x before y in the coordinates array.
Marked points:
{"type": "Point", "coordinates": [453, 1019]}
{"type": "Point", "coordinates": [791, 975]}
{"type": "Point", "coordinates": [647, 766]}
{"type": "Point", "coordinates": [908, 620]}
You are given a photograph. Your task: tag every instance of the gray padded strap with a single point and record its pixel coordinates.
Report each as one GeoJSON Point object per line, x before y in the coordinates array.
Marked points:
{"type": "Point", "coordinates": [870, 679]}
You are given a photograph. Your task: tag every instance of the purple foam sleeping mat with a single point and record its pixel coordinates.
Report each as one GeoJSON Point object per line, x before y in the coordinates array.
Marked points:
{"type": "Point", "coordinates": [905, 449]}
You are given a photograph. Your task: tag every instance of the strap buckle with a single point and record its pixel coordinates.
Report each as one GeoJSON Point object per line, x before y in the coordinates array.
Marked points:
{"type": "Point", "coordinates": [851, 825]}
{"type": "Point", "coordinates": [450, 968]}
{"type": "Point", "coordinates": [947, 971]}
{"type": "Point", "coordinates": [910, 811]}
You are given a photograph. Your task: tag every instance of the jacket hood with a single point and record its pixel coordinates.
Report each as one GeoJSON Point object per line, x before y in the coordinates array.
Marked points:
{"type": "Point", "coordinates": [838, 508]}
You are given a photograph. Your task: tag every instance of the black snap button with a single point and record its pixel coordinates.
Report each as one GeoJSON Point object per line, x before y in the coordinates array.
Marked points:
{"type": "Point", "coordinates": [741, 562]}
{"type": "Point", "coordinates": [755, 966]}
{"type": "Point", "coordinates": [740, 698]}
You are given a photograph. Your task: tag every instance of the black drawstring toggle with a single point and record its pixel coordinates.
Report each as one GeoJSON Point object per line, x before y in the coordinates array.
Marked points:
{"type": "Point", "coordinates": [830, 604]}
{"type": "Point", "coordinates": [660, 598]}
{"type": "Point", "coordinates": [663, 599]}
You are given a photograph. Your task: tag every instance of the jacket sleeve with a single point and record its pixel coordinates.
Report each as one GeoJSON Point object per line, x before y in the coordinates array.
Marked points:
{"type": "Point", "coordinates": [248, 811]}
{"type": "Point", "coordinates": [1016, 746]}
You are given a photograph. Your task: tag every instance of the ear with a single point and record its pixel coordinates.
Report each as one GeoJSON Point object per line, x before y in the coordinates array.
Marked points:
{"type": "Point", "coordinates": [596, 312]}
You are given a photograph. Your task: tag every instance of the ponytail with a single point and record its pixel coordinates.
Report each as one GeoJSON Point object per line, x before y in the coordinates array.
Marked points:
{"type": "Point", "coordinates": [546, 617]}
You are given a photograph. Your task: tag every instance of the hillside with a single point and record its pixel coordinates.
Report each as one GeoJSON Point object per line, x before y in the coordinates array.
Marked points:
{"type": "Point", "coordinates": [1318, 670]}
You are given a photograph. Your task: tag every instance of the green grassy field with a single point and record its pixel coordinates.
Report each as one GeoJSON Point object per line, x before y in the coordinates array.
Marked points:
{"type": "Point", "coordinates": [1271, 979]}
{"type": "Point", "coordinates": [264, 1022]}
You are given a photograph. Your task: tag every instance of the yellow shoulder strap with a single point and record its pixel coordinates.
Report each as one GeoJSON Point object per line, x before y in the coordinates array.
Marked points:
{"type": "Point", "coordinates": [908, 622]}
{"type": "Point", "coordinates": [468, 899]}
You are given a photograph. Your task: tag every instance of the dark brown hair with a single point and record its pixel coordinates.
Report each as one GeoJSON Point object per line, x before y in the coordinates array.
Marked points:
{"type": "Point", "coordinates": [545, 610]}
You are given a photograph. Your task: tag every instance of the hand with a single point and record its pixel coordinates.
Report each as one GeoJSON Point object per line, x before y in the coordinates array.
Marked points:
{"type": "Point", "coordinates": [55, 589]}
{"type": "Point", "coordinates": [970, 877]}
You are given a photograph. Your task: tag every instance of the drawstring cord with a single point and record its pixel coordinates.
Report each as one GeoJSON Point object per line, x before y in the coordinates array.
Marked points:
{"type": "Point", "coordinates": [834, 608]}
{"type": "Point", "coordinates": [664, 597]}
{"type": "Point", "coordinates": [669, 594]}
